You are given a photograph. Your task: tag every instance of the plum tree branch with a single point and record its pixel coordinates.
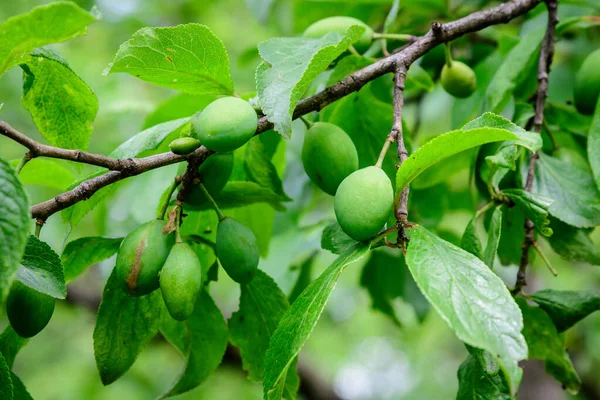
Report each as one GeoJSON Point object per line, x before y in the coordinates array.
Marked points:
{"type": "Point", "coordinates": [544, 65]}
{"type": "Point", "coordinates": [121, 169]}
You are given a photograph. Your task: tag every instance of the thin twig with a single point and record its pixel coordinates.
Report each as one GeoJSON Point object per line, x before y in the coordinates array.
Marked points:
{"type": "Point", "coordinates": [26, 158]}
{"type": "Point", "coordinates": [439, 33]}
{"type": "Point", "coordinates": [37, 149]}
{"type": "Point", "coordinates": [401, 208]}
{"type": "Point", "coordinates": [545, 62]}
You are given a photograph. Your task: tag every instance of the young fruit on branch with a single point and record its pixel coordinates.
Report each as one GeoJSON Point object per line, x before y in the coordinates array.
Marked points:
{"type": "Point", "coordinates": [340, 25]}
{"type": "Point", "coordinates": [214, 173]}
{"type": "Point", "coordinates": [328, 155]}
{"type": "Point", "coordinates": [225, 124]}
{"type": "Point", "coordinates": [587, 84]}
{"type": "Point", "coordinates": [184, 145]}
{"type": "Point", "coordinates": [141, 257]}
{"type": "Point", "coordinates": [363, 203]}
{"type": "Point", "coordinates": [237, 250]}
{"type": "Point", "coordinates": [458, 79]}
{"type": "Point", "coordinates": [28, 310]}
{"type": "Point", "coordinates": [181, 281]}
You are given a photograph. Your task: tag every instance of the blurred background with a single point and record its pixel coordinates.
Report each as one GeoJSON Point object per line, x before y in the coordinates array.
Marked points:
{"type": "Point", "coordinates": [355, 352]}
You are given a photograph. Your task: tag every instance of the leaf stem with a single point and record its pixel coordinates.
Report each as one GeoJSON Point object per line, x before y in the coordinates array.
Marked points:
{"type": "Point", "coordinates": [39, 223]}
{"type": "Point", "coordinates": [448, 53]}
{"type": "Point", "coordinates": [393, 36]}
{"type": "Point", "coordinates": [484, 209]}
{"type": "Point", "coordinates": [212, 201]}
{"type": "Point", "coordinates": [537, 248]}
{"type": "Point", "coordinates": [165, 205]}
{"type": "Point", "coordinates": [308, 123]}
{"type": "Point", "coordinates": [26, 158]}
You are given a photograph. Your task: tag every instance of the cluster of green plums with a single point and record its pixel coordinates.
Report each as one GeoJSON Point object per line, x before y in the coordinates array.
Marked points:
{"type": "Point", "coordinates": [149, 258]}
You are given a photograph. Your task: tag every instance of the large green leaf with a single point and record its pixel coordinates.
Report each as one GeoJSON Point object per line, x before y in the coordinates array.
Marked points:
{"type": "Point", "coordinates": [240, 194]}
{"type": "Point", "coordinates": [6, 384]}
{"type": "Point", "coordinates": [14, 225]}
{"type": "Point", "coordinates": [259, 168]}
{"type": "Point", "coordinates": [576, 197]}
{"type": "Point", "coordinates": [188, 58]}
{"type": "Point", "coordinates": [41, 171]}
{"type": "Point", "coordinates": [207, 333]}
{"type": "Point", "coordinates": [475, 383]}
{"type": "Point", "coordinates": [535, 207]}
{"type": "Point", "coordinates": [10, 344]}
{"type": "Point", "coordinates": [545, 344]}
{"type": "Point", "coordinates": [289, 66]}
{"type": "Point", "coordinates": [566, 307]}
{"type": "Point", "coordinates": [507, 75]}
{"type": "Point", "coordinates": [42, 270]}
{"type": "Point", "coordinates": [19, 390]}
{"type": "Point", "coordinates": [300, 319]}
{"type": "Point", "coordinates": [21, 34]}
{"type": "Point", "coordinates": [262, 304]}
{"type": "Point", "coordinates": [144, 142]}
{"type": "Point", "coordinates": [470, 298]}
{"type": "Point", "coordinates": [125, 324]}
{"type": "Point", "coordinates": [335, 239]}
{"type": "Point", "coordinates": [61, 104]}
{"type": "Point", "coordinates": [573, 244]}
{"type": "Point", "coordinates": [593, 145]}
{"type": "Point", "coordinates": [83, 252]}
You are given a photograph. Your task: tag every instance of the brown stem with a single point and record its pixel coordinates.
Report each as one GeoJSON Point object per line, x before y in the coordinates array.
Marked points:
{"type": "Point", "coordinates": [401, 208]}
{"type": "Point", "coordinates": [122, 169]}
{"type": "Point", "coordinates": [545, 62]}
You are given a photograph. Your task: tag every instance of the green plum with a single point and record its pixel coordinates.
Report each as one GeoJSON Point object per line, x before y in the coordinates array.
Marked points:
{"type": "Point", "coordinates": [340, 24]}
{"type": "Point", "coordinates": [237, 250]}
{"type": "Point", "coordinates": [458, 79]}
{"type": "Point", "coordinates": [28, 310]}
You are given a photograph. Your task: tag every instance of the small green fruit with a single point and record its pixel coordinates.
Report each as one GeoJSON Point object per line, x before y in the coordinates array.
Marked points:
{"type": "Point", "coordinates": [237, 250]}
{"type": "Point", "coordinates": [587, 84]}
{"type": "Point", "coordinates": [181, 281]}
{"type": "Point", "coordinates": [458, 79]}
{"type": "Point", "coordinates": [340, 25]}
{"type": "Point", "coordinates": [328, 155]}
{"type": "Point", "coordinates": [225, 124]}
{"type": "Point", "coordinates": [141, 257]}
{"type": "Point", "coordinates": [184, 145]}
{"type": "Point", "coordinates": [214, 173]}
{"type": "Point", "coordinates": [363, 203]}
{"type": "Point", "coordinates": [28, 310]}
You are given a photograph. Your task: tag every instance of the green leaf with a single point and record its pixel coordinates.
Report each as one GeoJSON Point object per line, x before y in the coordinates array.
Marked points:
{"type": "Point", "coordinates": [562, 117]}
{"type": "Point", "coordinates": [513, 234]}
{"type": "Point", "coordinates": [208, 336]}
{"type": "Point", "coordinates": [535, 207]}
{"type": "Point", "coordinates": [335, 239]}
{"type": "Point", "coordinates": [259, 167]}
{"type": "Point", "coordinates": [19, 390]}
{"type": "Point", "coordinates": [125, 324]}
{"type": "Point", "coordinates": [41, 171]}
{"type": "Point", "coordinates": [470, 298]}
{"type": "Point", "coordinates": [576, 197]}
{"type": "Point", "coordinates": [418, 78]}
{"type": "Point", "coordinates": [300, 319]}
{"type": "Point", "coordinates": [259, 218]}
{"type": "Point", "coordinates": [470, 240]}
{"type": "Point", "coordinates": [188, 58]}
{"type": "Point", "coordinates": [289, 66]}
{"type": "Point", "coordinates": [262, 304]}
{"type": "Point", "coordinates": [304, 277]}
{"type": "Point", "coordinates": [14, 225]}
{"type": "Point", "coordinates": [475, 383]}
{"type": "Point", "coordinates": [593, 146]}
{"type": "Point", "coordinates": [145, 141]}
{"type": "Point", "coordinates": [10, 344]}
{"type": "Point", "coordinates": [529, 140]}
{"type": "Point", "coordinates": [573, 244]}
{"type": "Point", "coordinates": [444, 146]}
{"type": "Point", "coordinates": [21, 34]}
{"type": "Point", "coordinates": [42, 269]}
{"type": "Point", "coordinates": [61, 104]}
{"type": "Point", "coordinates": [6, 384]}
{"type": "Point", "coordinates": [494, 232]}
{"type": "Point", "coordinates": [545, 344]}
{"type": "Point", "coordinates": [84, 252]}
{"type": "Point", "coordinates": [566, 307]}
{"type": "Point", "coordinates": [240, 194]}
{"type": "Point", "coordinates": [507, 76]}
